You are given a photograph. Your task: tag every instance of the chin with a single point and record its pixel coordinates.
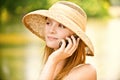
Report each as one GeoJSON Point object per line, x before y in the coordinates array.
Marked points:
{"type": "Point", "coordinates": [53, 46]}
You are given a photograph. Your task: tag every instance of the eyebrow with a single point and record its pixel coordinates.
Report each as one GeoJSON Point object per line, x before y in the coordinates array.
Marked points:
{"type": "Point", "coordinates": [49, 19]}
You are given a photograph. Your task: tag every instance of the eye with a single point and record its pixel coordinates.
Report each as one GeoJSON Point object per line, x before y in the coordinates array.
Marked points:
{"type": "Point", "coordinates": [48, 23]}
{"type": "Point", "coordinates": [61, 26]}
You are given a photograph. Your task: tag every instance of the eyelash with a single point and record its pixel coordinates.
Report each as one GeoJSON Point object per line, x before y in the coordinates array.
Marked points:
{"type": "Point", "coordinates": [47, 23]}
{"type": "Point", "coordinates": [60, 25]}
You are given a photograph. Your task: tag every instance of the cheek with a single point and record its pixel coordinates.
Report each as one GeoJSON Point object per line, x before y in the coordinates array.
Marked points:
{"type": "Point", "coordinates": [45, 30]}
{"type": "Point", "coordinates": [64, 34]}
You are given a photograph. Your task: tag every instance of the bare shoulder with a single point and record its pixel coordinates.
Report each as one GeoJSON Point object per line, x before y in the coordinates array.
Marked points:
{"type": "Point", "coordinates": [82, 72]}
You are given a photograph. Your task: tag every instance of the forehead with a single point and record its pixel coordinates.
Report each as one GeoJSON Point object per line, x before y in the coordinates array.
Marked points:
{"type": "Point", "coordinates": [52, 20]}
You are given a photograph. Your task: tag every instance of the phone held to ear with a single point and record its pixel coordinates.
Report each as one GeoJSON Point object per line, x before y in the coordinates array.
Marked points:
{"type": "Point", "coordinates": [67, 41]}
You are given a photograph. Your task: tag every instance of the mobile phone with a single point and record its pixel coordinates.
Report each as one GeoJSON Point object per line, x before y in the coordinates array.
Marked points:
{"type": "Point", "coordinates": [67, 40]}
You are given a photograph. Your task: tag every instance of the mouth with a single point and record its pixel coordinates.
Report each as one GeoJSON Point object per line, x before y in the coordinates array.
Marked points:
{"type": "Point", "coordinates": [51, 38]}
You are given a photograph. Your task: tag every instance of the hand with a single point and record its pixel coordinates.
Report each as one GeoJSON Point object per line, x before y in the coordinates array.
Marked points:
{"type": "Point", "coordinates": [65, 51]}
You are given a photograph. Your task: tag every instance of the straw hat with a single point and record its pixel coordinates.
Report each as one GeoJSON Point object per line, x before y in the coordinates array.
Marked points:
{"type": "Point", "coordinates": [66, 13]}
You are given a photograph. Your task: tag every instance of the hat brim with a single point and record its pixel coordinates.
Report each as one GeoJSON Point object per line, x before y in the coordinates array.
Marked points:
{"type": "Point", "coordinates": [35, 22]}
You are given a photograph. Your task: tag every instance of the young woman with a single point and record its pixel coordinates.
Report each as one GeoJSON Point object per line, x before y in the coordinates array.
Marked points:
{"type": "Point", "coordinates": [62, 27]}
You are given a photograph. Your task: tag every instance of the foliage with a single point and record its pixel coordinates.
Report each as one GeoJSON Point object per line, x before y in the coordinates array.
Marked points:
{"type": "Point", "coordinates": [94, 8]}
{"type": "Point", "coordinates": [11, 11]}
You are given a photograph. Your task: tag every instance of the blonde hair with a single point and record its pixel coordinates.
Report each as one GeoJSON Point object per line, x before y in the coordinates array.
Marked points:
{"type": "Point", "coordinates": [77, 58]}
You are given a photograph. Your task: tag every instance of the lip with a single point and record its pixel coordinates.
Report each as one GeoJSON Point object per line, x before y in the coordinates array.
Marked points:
{"type": "Point", "coordinates": [51, 38]}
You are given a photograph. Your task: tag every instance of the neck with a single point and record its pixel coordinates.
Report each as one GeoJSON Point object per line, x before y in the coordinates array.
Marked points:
{"type": "Point", "coordinates": [59, 67]}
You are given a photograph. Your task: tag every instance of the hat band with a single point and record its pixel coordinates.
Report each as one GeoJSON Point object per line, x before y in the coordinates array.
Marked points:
{"type": "Point", "coordinates": [69, 12]}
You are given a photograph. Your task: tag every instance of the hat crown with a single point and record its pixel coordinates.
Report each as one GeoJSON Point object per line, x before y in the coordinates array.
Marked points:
{"type": "Point", "coordinates": [72, 11]}
{"type": "Point", "coordinates": [66, 13]}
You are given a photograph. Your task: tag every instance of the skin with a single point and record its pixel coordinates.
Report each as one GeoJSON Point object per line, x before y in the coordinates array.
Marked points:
{"type": "Point", "coordinates": [54, 33]}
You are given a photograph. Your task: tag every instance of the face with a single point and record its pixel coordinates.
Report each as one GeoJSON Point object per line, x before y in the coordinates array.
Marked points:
{"type": "Point", "coordinates": [54, 32]}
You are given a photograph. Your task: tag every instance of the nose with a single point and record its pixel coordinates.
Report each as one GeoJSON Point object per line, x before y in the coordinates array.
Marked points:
{"type": "Point", "coordinates": [53, 28]}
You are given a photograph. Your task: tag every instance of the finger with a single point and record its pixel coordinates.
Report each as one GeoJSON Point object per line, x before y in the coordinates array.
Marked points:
{"type": "Point", "coordinates": [63, 44]}
{"type": "Point", "coordinates": [75, 45]}
{"type": "Point", "coordinates": [78, 40]}
{"type": "Point", "coordinates": [74, 40]}
{"type": "Point", "coordinates": [69, 44]}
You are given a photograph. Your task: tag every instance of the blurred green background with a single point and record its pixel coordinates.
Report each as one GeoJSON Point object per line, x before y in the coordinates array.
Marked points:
{"type": "Point", "coordinates": [21, 51]}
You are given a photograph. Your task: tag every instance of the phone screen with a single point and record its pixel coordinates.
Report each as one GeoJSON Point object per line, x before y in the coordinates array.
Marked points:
{"type": "Point", "coordinates": [67, 41]}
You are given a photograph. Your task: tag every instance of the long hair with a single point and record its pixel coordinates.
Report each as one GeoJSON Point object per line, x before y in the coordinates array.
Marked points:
{"type": "Point", "coordinates": [77, 58]}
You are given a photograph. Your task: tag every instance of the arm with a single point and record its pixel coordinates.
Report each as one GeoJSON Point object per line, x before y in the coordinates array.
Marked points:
{"type": "Point", "coordinates": [83, 72]}
{"type": "Point", "coordinates": [56, 57]}
{"type": "Point", "coordinates": [48, 70]}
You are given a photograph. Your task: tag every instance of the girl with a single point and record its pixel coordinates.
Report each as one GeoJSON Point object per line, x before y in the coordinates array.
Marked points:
{"type": "Point", "coordinates": [65, 54]}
